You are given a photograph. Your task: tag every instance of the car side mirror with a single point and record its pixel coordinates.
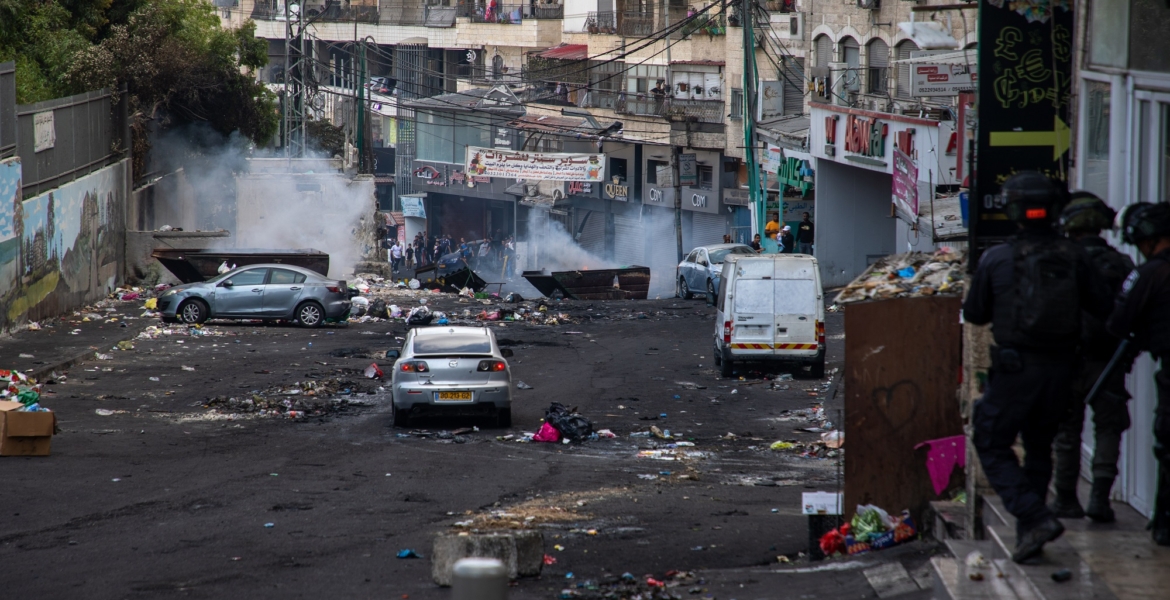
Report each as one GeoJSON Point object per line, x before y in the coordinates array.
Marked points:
{"type": "Point", "coordinates": [506, 352]}
{"type": "Point", "coordinates": [227, 284]}
{"type": "Point", "coordinates": [393, 354]}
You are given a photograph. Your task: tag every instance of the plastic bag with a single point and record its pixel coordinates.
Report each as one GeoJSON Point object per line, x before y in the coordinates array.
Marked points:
{"type": "Point", "coordinates": [572, 426]}
{"type": "Point", "coordinates": [419, 315]}
{"type": "Point", "coordinates": [870, 522]}
{"type": "Point", "coordinates": [373, 372]}
{"type": "Point", "coordinates": [547, 433]}
{"type": "Point", "coordinates": [833, 542]}
{"type": "Point", "coordinates": [378, 308]}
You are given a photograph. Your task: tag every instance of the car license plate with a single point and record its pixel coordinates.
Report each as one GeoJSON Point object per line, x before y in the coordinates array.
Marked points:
{"type": "Point", "coordinates": [452, 396]}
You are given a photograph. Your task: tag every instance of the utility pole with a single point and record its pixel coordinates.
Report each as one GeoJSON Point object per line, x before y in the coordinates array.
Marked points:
{"type": "Point", "coordinates": [361, 110]}
{"type": "Point", "coordinates": [294, 83]}
{"type": "Point", "coordinates": [757, 199]}
{"type": "Point", "coordinates": [674, 149]}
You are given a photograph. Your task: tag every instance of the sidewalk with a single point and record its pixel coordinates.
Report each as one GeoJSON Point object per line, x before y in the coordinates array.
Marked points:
{"type": "Point", "coordinates": [73, 338]}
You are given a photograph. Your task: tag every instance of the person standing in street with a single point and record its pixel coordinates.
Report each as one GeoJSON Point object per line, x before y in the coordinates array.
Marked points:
{"type": "Point", "coordinates": [756, 243]}
{"type": "Point", "coordinates": [395, 256]}
{"type": "Point", "coordinates": [1082, 221]}
{"type": "Point", "coordinates": [787, 241]}
{"type": "Point", "coordinates": [409, 257]}
{"type": "Point", "coordinates": [1142, 315]}
{"type": "Point", "coordinates": [804, 236]}
{"type": "Point", "coordinates": [1032, 290]}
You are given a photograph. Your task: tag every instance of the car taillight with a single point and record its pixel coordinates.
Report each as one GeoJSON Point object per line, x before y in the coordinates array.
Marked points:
{"type": "Point", "coordinates": [491, 365]}
{"type": "Point", "coordinates": [416, 366]}
{"type": "Point", "coordinates": [820, 334]}
{"type": "Point", "coordinates": [727, 332]}
{"type": "Point", "coordinates": [333, 288]}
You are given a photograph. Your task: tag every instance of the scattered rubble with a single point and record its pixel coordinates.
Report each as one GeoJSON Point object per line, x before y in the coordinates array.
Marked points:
{"type": "Point", "coordinates": [908, 275]}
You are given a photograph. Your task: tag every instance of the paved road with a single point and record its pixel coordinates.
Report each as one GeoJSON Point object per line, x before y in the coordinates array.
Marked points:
{"type": "Point", "coordinates": [150, 493]}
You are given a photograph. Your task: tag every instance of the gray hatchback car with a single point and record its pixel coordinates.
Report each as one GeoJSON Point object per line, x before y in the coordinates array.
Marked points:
{"type": "Point", "coordinates": [451, 369]}
{"type": "Point", "coordinates": [270, 291]}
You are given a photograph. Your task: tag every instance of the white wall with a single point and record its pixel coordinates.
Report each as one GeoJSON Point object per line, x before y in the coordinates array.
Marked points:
{"type": "Point", "coordinates": [852, 220]}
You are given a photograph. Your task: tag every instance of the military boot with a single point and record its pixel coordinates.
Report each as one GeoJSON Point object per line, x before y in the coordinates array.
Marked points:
{"type": "Point", "coordinates": [1065, 504]}
{"type": "Point", "coordinates": [1099, 509]}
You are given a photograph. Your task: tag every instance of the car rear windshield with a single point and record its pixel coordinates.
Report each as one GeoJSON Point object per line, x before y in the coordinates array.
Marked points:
{"type": "Point", "coordinates": [452, 344]}
{"type": "Point", "coordinates": [717, 256]}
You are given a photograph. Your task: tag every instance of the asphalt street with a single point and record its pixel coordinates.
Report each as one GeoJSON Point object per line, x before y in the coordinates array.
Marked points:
{"type": "Point", "coordinates": [164, 481]}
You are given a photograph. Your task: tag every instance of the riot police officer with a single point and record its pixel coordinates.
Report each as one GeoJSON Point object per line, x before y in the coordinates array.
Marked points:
{"type": "Point", "coordinates": [1032, 290]}
{"type": "Point", "coordinates": [1142, 315]}
{"type": "Point", "coordinates": [1082, 221]}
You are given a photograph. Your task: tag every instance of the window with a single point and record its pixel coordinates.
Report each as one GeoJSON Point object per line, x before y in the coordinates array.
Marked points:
{"type": "Point", "coordinates": [736, 103]}
{"type": "Point", "coordinates": [547, 143]}
{"type": "Point", "coordinates": [285, 277]}
{"type": "Point", "coordinates": [824, 48]}
{"type": "Point", "coordinates": [605, 81]}
{"type": "Point", "coordinates": [706, 177]}
{"type": "Point", "coordinates": [878, 58]}
{"type": "Point", "coordinates": [617, 168]}
{"type": "Point", "coordinates": [249, 277]}
{"type": "Point", "coordinates": [903, 51]}
{"type": "Point", "coordinates": [1096, 135]}
{"type": "Point", "coordinates": [656, 167]}
{"type": "Point", "coordinates": [445, 137]}
{"type": "Point", "coordinates": [851, 56]}
{"type": "Point", "coordinates": [693, 256]}
{"type": "Point", "coordinates": [640, 79]}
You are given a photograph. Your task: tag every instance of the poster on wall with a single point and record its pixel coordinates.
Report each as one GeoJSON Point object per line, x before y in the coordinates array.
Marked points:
{"type": "Point", "coordinates": [905, 187]}
{"type": "Point", "coordinates": [688, 170]}
{"type": "Point", "coordinates": [546, 166]}
{"type": "Point", "coordinates": [1025, 54]}
{"type": "Point", "coordinates": [941, 80]}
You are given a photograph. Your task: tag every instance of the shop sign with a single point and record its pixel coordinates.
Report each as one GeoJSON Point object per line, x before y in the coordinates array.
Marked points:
{"type": "Point", "coordinates": [413, 207]}
{"type": "Point", "coordinates": [656, 196]}
{"type": "Point", "coordinates": [699, 200]}
{"type": "Point", "coordinates": [905, 185]}
{"type": "Point", "coordinates": [1026, 55]}
{"type": "Point", "coordinates": [790, 176]}
{"type": "Point", "coordinates": [430, 175]}
{"type": "Point", "coordinates": [866, 136]}
{"type": "Point", "coordinates": [688, 170]}
{"type": "Point", "coordinates": [939, 80]}
{"type": "Point", "coordinates": [544, 166]}
{"type": "Point", "coordinates": [617, 191]}
{"type": "Point", "coordinates": [831, 135]}
{"type": "Point", "coordinates": [580, 188]}
{"type": "Point", "coordinates": [736, 197]}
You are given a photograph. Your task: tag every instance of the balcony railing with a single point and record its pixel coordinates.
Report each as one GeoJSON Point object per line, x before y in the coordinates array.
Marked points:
{"type": "Point", "coordinates": [550, 11]}
{"type": "Point", "coordinates": [702, 111]}
{"type": "Point", "coordinates": [637, 24]}
{"type": "Point", "coordinates": [601, 22]}
{"type": "Point", "coordinates": [706, 24]}
{"type": "Point", "coordinates": [781, 6]}
{"type": "Point", "coordinates": [504, 14]}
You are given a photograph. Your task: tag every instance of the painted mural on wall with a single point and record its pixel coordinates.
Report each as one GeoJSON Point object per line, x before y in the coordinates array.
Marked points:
{"type": "Point", "coordinates": [62, 249]}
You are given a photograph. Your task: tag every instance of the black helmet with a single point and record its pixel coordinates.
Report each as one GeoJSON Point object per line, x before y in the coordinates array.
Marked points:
{"type": "Point", "coordinates": [1031, 198]}
{"type": "Point", "coordinates": [1086, 212]}
{"type": "Point", "coordinates": [1143, 221]}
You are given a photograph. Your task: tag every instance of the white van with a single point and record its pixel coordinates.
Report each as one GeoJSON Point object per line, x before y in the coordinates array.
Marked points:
{"type": "Point", "coordinates": [770, 308]}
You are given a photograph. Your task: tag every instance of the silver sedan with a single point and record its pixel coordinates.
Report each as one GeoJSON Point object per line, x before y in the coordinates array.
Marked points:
{"type": "Point", "coordinates": [272, 291]}
{"type": "Point", "coordinates": [454, 369]}
{"type": "Point", "coordinates": [700, 271]}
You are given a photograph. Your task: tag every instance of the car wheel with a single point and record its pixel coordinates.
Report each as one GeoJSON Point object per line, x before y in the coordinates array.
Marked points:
{"type": "Point", "coordinates": [192, 312]}
{"type": "Point", "coordinates": [310, 314]}
{"type": "Point", "coordinates": [818, 367]}
{"type": "Point", "coordinates": [710, 292]}
{"type": "Point", "coordinates": [718, 357]}
{"type": "Point", "coordinates": [504, 417]}
{"type": "Point", "coordinates": [683, 291]}
{"type": "Point", "coordinates": [725, 368]}
{"type": "Point", "coordinates": [400, 417]}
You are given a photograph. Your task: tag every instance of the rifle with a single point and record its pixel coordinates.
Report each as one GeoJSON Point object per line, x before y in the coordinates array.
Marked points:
{"type": "Point", "coordinates": [1122, 350]}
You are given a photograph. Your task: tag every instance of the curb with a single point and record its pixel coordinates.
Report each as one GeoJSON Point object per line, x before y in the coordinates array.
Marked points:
{"type": "Point", "coordinates": [43, 371]}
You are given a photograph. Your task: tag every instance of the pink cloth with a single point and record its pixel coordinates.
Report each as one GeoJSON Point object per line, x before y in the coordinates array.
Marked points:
{"type": "Point", "coordinates": [942, 457]}
{"type": "Point", "coordinates": [547, 433]}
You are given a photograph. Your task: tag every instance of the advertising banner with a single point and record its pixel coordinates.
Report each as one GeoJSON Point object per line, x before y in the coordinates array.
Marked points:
{"type": "Point", "coordinates": [546, 166]}
{"type": "Point", "coordinates": [905, 186]}
{"type": "Point", "coordinates": [688, 170]}
{"type": "Point", "coordinates": [937, 80]}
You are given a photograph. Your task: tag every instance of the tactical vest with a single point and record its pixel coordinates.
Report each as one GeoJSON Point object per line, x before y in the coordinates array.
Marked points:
{"type": "Point", "coordinates": [1112, 267]}
{"type": "Point", "coordinates": [1046, 306]}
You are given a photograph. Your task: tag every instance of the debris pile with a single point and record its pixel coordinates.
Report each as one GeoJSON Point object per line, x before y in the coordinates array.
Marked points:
{"type": "Point", "coordinates": [911, 274]}
{"type": "Point", "coordinates": [18, 387]}
{"type": "Point", "coordinates": [312, 398]}
{"type": "Point", "coordinates": [870, 529]}
{"type": "Point", "coordinates": [672, 585]}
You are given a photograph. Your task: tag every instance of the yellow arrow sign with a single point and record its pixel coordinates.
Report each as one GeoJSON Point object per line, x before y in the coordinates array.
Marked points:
{"type": "Point", "coordinates": [1058, 138]}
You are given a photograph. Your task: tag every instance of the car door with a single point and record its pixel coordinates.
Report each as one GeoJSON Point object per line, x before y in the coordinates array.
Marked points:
{"type": "Point", "coordinates": [241, 295]}
{"type": "Point", "coordinates": [687, 266]}
{"type": "Point", "coordinates": [753, 301]}
{"type": "Point", "coordinates": [284, 289]}
{"type": "Point", "coordinates": [797, 297]}
{"type": "Point", "coordinates": [698, 281]}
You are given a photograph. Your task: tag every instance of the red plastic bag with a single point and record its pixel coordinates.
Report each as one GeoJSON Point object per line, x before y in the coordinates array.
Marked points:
{"type": "Point", "coordinates": [547, 433]}
{"type": "Point", "coordinates": [833, 542]}
{"type": "Point", "coordinates": [373, 372]}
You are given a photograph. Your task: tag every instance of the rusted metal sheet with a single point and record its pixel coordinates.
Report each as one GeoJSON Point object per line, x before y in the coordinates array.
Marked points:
{"type": "Point", "coordinates": [450, 279]}
{"type": "Point", "coordinates": [630, 283]}
{"type": "Point", "coordinates": [203, 263]}
{"type": "Point", "coordinates": [902, 363]}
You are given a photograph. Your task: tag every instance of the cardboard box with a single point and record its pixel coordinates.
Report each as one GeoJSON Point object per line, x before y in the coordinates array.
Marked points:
{"type": "Point", "coordinates": [25, 433]}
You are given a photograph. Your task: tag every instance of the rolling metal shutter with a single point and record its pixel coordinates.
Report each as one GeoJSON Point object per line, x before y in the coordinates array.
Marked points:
{"type": "Point", "coordinates": [629, 247]}
{"type": "Point", "coordinates": [878, 56]}
{"type": "Point", "coordinates": [824, 51]}
{"type": "Point", "coordinates": [904, 50]}
{"type": "Point", "coordinates": [794, 86]}
{"type": "Point", "coordinates": [708, 229]}
{"type": "Point", "coordinates": [591, 231]}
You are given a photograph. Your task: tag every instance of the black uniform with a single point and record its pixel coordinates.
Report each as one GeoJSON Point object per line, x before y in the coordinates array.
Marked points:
{"type": "Point", "coordinates": [1110, 409]}
{"type": "Point", "coordinates": [1028, 385]}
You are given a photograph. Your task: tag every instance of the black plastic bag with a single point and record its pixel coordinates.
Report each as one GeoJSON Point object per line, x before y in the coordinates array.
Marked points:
{"type": "Point", "coordinates": [420, 316]}
{"type": "Point", "coordinates": [572, 426]}
{"type": "Point", "coordinates": [378, 308]}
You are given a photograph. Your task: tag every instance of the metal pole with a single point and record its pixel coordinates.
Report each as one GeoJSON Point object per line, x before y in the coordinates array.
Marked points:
{"type": "Point", "coordinates": [674, 150]}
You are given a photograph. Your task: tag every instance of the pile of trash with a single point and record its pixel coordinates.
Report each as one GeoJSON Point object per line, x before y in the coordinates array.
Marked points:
{"type": "Point", "coordinates": [563, 424]}
{"type": "Point", "coordinates": [912, 274]}
{"type": "Point", "coordinates": [312, 398]}
{"type": "Point", "coordinates": [155, 332]}
{"type": "Point", "coordinates": [871, 529]}
{"type": "Point", "coordinates": [18, 387]}
{"type": "Point", "coordinates": [671, 586]}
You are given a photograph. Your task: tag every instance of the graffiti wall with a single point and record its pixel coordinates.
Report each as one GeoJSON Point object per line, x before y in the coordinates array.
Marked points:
{"type": "Point", "coordinates": [62, 249]}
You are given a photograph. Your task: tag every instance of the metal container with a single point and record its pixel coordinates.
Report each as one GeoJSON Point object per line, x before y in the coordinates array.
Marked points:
{"type": "Point", "coordinates": [629, 283]}
{"type": "Point", "coordinates": [201, 264]}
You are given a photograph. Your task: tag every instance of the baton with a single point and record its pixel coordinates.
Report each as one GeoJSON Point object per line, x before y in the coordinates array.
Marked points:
{"type": "Point", "coordinates": [1122, 349]}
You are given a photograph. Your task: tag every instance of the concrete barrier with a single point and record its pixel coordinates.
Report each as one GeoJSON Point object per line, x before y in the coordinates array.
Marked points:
{"type": "Point", "coordinates": [521, 552]}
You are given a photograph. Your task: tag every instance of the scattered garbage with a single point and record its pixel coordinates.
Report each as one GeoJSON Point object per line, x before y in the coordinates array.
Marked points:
{"type": "Point", "coordinates": [547, 433]}
{"type": "Point", "coordinates": [908, 275]}
{"type": "Point", "coordinates": [782, 445]}
{"type": "Point", "coordinates": [373, 372]}
{"type": "Point", "coordinates": [408, 553]}
{"type": "Point", "coordinates": [571, 425]}
{"type": "Point", "coordinates": [833, 439]}
{"type": "Point", "coordinates": [523, 386]}
{"type": "Point", "coordinates": [870, 529]}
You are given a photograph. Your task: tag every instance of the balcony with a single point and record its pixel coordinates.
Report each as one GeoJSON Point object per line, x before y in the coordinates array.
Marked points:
{"type": "Point", "coordinates": [637, 24]}
{"type": "Point", "coordinates": [701, 111]}
{"type": "Point", "coordinates": [780, 6]}
{"type": "Point", "coordinates": [708, 24]}
{"type": "Point", "coordinates": [510, 14]}
{"type": "Point", "coordinates": [603, 22]}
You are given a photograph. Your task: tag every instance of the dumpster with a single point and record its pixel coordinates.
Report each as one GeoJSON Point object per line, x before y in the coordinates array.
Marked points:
{"type": "Point", "coordinates": [201, 264]}
{"type": "Point", "coordinates": [627, 283]}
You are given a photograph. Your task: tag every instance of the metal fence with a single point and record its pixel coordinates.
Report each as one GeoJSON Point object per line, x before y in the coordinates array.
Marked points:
{"type": "Point", "coordinates": [63, 139]}
{"type": "Point", "coordinates": [601, 22]}
{"type": "Point", "coordinates": [7, 112]}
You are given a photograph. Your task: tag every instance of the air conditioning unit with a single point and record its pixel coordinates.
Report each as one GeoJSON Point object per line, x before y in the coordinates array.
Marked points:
{"type": "Point", "coordinates": [796, 26]}
{"type": "Point", "coordinates": [869, 4]}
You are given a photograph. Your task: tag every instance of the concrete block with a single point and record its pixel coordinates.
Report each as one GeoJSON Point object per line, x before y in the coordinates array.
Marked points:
{"type": "Point", "coordinates": [521, 552]}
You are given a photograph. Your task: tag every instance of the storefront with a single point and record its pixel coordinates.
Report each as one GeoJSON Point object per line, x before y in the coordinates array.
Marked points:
{"type": "Point", "coordinates": [855, 218]}
{"type": "Point", "coordinates": [463, 206]}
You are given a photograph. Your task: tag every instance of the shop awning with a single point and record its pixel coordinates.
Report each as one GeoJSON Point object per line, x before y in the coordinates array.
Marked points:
{"type": "Point", "coordinates": [567, 52]}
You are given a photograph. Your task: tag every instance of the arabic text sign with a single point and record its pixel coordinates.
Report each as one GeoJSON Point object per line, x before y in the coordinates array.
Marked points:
{"type": "Point", "coordinates": [688, 170]}
{"type": "Point", "coordinates": [905, 185]}
{"type": "Point", "coordinates": [535, 165]}
{"type": "Point", "coordinates": [941, 79]}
